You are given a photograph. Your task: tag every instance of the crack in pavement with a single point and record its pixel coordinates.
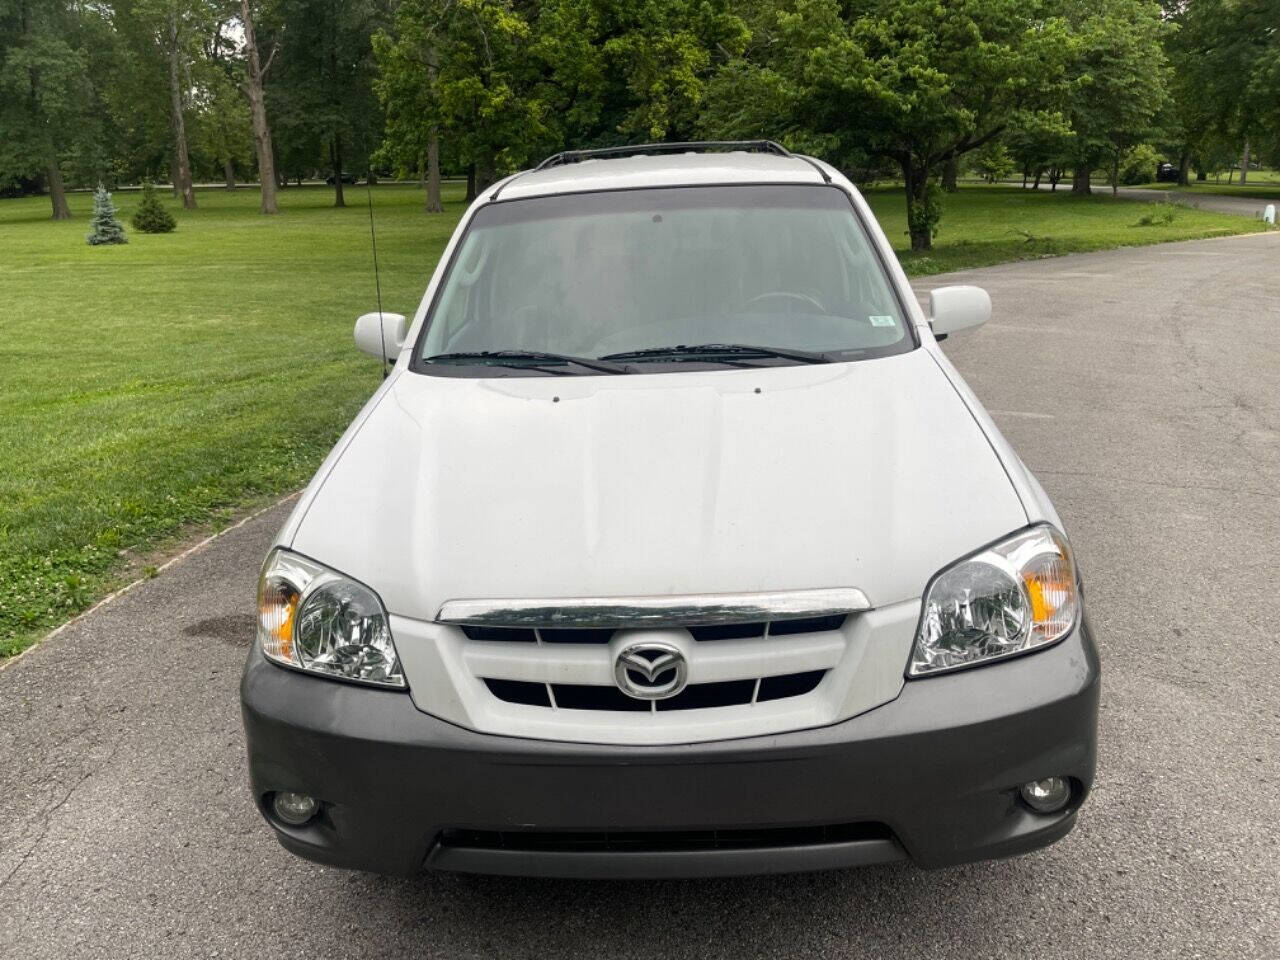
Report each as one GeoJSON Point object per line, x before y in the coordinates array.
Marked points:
{"type": "Point", "coordinates": [46, 818]}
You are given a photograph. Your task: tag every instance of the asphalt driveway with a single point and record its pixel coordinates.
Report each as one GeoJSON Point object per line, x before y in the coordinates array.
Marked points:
{"type": "Point", "coordinates": [1143, 388]}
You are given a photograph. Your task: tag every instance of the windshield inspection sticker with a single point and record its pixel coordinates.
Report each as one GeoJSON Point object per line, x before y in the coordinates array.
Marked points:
{"type": "Point", "coordinates": [881, 321]}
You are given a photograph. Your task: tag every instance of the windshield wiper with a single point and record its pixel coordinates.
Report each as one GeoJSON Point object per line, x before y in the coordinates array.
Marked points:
{"type": "Point", "coordinates": [538, 358]}
{"type": "Point", "coordinates": [736, 350]}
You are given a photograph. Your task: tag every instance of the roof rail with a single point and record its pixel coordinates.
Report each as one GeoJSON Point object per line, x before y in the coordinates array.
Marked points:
{"type": "Point", "coordinates": [694, 146]}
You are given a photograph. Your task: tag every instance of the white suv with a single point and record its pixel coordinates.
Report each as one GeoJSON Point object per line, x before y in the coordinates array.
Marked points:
{"type": "Point", "coordinates": [671, 545]}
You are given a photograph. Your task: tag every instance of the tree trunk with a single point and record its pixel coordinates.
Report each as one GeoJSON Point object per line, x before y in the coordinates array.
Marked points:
{"type": "Point", "coordinates": [229, 173]}
{"type": "Point", "coordinates": [433, 174]}
{"type": "Point", "coordinates": [1244, 164]}
{"type": "Point", "coordinates": [1184, 168]}
{"type": "Point", "coordinates": [258, 108]}
{"type": "Point", "coordinates": [1039, 174]}
{"type": "Point", "coordinates": [916, 184]}
{"type": "Point", "coordinates": [1115, 176]}
{"type": "Point", "coordinates": [951, 174]}
{"type": "Point", "coordinates": [1080, 181]}
{"type": "Point", "coordinates": [471, 182]}
{"type": "Point", "coordinates": [1202, 175]}
{"type": "Point", "coordinates": [1055, 174]}
{"type": "Point", "coordinates": [486, 176]}
{"type": "Point", "coordinates": [185, 186]}
{"type": "Point", "coordinates": [175, 181]}
{"type": "Point", "coordinates": [57, 193]}
{"type": "Point", "coordinates": [335, 149]}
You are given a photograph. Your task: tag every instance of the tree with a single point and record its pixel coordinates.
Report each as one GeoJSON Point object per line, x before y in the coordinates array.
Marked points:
{"type": "Point", "coordinates": [322, 94]}
{"type": "Point", "coordinates": [913, 82]}
{"type": "Point", "coordinates": [406, 85]}
{"type": "Point", "coordinates": [1193, 112]}
{"type": "Point", "coordinates": [1226, 55]}
{"type": "Point", "coordinates": [993, 162]}
{"type": "Point", "coordinates": [223, 128]}
{"type": "Point", "coordinates": [499, 82]}
{"type": "Point", "coordinates": [1119, 78]}
{"type": "Point", "coordinates": [253, 86]}
{"type": "Point", "coordinates": [176, 105]}
{"type": "Point", "coordinates": [1038, 142]}
{"type": "Point", "coordinates": [49, 105]}
{"type": "Point", "coordinates": [475, 62]}
{"type": "Point", "coordinates": [639, 70]}
{"type": "Point", "coordinates": [104, 228]}
{"type": "Point", "coordinates": [154, 83]}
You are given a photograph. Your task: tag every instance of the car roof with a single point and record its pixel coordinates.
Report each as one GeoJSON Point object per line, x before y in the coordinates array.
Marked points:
{"type": "Point", "coordinates": [659, 170]}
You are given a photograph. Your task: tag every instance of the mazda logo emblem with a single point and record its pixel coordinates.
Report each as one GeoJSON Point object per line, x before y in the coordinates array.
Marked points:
{"type": "Point", "coordinates": [650, 671]}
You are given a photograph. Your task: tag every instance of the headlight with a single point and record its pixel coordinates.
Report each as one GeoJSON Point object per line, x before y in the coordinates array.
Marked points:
{"type": "Point", "coordinates": [1012, 597]}
{"type": "Point", "coordinates": [317, 620]}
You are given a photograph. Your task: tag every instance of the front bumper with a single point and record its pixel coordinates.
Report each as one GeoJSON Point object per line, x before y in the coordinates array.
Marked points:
{"type": "Point", "coordinates": [931, 776]}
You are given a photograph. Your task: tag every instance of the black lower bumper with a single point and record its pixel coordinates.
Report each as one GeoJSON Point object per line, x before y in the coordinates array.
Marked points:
{"type": "Point", "coordinates": [932, 776]}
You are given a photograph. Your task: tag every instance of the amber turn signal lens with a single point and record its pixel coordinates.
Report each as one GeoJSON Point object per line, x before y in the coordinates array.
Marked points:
{"type": "Point", "coordinates": [277, 605]}
{"type": "Point", "coordinates": [1051, 589]}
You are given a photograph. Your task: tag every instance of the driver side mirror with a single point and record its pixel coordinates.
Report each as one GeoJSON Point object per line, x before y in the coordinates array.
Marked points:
{"type": "Point", "coordinates": [952, 309]}
{"type": "Point", "coordinates": [374, 331]}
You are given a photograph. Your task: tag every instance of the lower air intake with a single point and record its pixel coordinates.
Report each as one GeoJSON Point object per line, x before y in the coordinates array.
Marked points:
{"type": "Point", "coordinates": [663, 841]}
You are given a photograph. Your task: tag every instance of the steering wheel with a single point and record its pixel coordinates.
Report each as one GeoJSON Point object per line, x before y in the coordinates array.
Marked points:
{"type": "Point", "coordinates": [786, 295]}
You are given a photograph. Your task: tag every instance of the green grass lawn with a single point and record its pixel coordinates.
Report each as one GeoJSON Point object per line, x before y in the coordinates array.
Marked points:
{"type": "Point", "coordinates": [164, 383]}
{"type": "Point", "coordinates": [983, 225]}
{"type": "Point", "coordinates": [154, 389]}
{"type": "Point", "coordinates": [1255, 190]}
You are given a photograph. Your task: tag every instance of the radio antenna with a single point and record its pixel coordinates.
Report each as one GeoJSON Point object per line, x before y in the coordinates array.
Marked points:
{"type": "Point", "coordinates": [377, 284]}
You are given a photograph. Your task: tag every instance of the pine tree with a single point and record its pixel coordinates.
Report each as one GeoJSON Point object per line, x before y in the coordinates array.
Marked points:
{"type": "Point", "coordinates": [151, 216]}
{"type": "Point", "coordinates": [106, 228]}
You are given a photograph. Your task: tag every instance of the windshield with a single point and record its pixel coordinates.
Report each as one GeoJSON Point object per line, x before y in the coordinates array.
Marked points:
{"type": "Point", "coordinates": [621, 273]}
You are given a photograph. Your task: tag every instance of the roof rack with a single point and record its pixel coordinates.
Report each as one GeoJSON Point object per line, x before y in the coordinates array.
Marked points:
{"type": "Point", "coordinates": [693, 146]}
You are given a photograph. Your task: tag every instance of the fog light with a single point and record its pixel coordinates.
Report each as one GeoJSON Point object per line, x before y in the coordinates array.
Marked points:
{"type": "Point", "coordinates": [294, 809]}
{"type": "Point", "coordinates": [1048, 795]}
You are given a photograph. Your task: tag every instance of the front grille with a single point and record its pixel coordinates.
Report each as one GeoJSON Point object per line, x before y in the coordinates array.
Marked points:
{"type": "Point", "coordinates": [720, 631]}
{"type": "Point", "coordinates": [662, 841]}
{"type": "Point", "coordinates": [696, 696]}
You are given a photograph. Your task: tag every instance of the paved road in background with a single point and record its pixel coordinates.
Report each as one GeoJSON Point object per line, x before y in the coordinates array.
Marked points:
{"type": "Point", "coordinates": [1141, 386]}
{"type": "Point", "coordinates": [1220, 203]}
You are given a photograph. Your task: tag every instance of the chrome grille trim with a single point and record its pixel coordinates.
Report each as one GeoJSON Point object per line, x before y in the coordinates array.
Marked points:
{"type": "Point", "coordinates": [670, 611]}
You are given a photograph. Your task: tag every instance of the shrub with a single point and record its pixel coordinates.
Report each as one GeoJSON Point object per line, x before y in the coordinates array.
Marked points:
{"type": "Point", "coordinates": [1140, 165]}
{"type": "Point", "coordinates": [993, 163]}
{"type": "Point", "coordinates": [151, 216]}
{"type": "Point", "coordinates": [104, 226]}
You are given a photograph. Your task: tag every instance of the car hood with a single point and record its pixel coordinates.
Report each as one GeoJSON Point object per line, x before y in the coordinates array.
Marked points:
{"type": "Point", "coordinates": [870, 474]}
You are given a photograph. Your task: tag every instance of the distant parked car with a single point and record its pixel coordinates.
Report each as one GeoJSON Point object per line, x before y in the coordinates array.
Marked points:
{"type": "Point", "coordinates": [346, 178]}
{"type": "Point", "coordinates": [1166, 173]}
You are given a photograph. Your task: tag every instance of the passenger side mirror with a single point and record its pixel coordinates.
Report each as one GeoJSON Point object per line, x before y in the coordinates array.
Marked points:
{"type": "Point", "coordinates": [376, 330]}
{"type": "Point", "coordinates": [952, 309]}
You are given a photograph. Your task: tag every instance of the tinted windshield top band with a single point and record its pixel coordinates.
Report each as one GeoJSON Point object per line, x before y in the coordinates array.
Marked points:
{"type": "Point", "coordinates": [523, 209]}
{"type": "Point", "coordinates": [791, 196]}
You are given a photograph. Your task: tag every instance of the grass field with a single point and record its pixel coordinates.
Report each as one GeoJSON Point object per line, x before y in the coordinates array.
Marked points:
{"type": "Point", "coordinates": [985, 225]}
{"type": "Point", "coordinates": [154, 389]}
{"type": "Point", "coordinates": [1263, 190]}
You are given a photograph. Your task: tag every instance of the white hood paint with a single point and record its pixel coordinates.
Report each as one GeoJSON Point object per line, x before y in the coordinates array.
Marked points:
{"type": "Point", "coordinates": [871, 474]}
